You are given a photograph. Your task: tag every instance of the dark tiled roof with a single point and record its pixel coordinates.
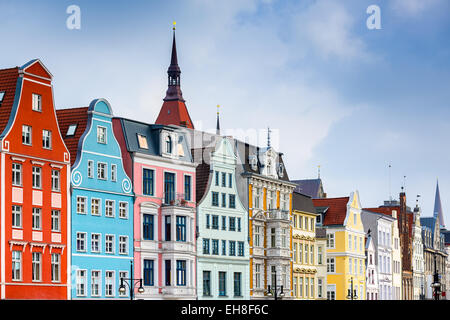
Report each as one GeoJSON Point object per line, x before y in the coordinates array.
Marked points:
{"type": "Point", "coordinates": [302, 203]}
{"type": "Point", "coordinates": [336, 212]}
{"type": "Point", "coordinates": [8, 83]}
{"type": "Point", "coordinates": [321, 233]}
{"type": "Point", "coordinates": [310, 187]}
{"type": "Point", "coordinates": [202, 172]}
{"type": "Point", "coordinates": [66, 117]}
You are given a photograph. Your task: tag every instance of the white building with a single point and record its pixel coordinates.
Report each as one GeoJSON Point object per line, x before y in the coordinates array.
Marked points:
{"type": "Point", "coordinates": [371, 270]}
{"type": "Point", "coordinates": [418, 258]}
{"type": "Point", "coordinates": [222, 224]}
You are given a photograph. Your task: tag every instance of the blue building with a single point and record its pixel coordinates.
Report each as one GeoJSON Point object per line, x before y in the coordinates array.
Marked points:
{"type": "Point", "coordinates": [101, 203]}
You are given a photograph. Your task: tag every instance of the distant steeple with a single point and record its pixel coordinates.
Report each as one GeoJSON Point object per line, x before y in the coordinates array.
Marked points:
{"type": "Point", "coordinates": [268, 137]}
{"type": "Point", "coordinates": [437, 212]}
{"type": "Point", "coordinates": [174, 110]}
{"type": "Point", "coordinates": [218, 123]}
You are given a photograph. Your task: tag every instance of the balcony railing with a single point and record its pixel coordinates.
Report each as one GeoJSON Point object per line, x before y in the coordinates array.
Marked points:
{"type": "Point", "coordinates": [278, 214]}
{"type": "Point", "coordinates": [175, 199]}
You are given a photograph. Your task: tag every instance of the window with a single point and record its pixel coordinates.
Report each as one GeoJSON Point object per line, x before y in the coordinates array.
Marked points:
{"type": "Point", "coordinates": [142, 141]}
{"type": "Point", "coordinates": [206, 283]}
{"type": "Point", "coordinates": [147, 182]}
{"type": "Point", "coordinates": [294, 216]}
{"type": "Point", "coordinates": [95, 207]}
{"type": "Point", "coordinates": [56, 181]}
{"type": "Point", "coordinates": [331, 293]}
{"type": "Point", "coordinates": [148, 273]}
{"type": "Point", "coordinates": [56, 267]}
{"type": "Point", "coordinates": [109, 283]}
{"type": "Point", "coordinates": [239, 224]}
{"type": "Point", "coordinates": [215, 222]}
{"type": "Point", "coordinates": [181, 272]}
{"type": "Point", "coordinates": [215, 199]}
{"type": "Point", "coordinates": [330, 265]}
{"type": "Point", "coordinates": [232, 224]}
{"type": "Point", "coordinates": [168, 232]}
{"type": "Point", "coordinates": [181, 228]}
{"type": "Point", "coordinates": [306, 287]}
{"type": "Point", "coordinates": [300, 287]}
{"type": "Point", "coordinates": [285, 202]}
{"type": "Point", "coordinates": [36, 102]}
{"type": "Point", "coordinates": [222, 283]}
{"type": "Point", "coordinates": [71, 130]}
{"type": "Point", "coordinates": [36, 219]}
{"type": "Point", "coordinates": [16, 216]}
{"type": "Point", "coordinates": [237, 284]}
{"type": "Point", "coordinates": [95, 283]}
{"type": "Point", "coordinates": [81, 241]}
{"type": "Point", "coordinates": [205, 246]}
{"type": "Point", "coordinates": [232, 249]}
{"type": "Point", "coordinates": [101, 171]}
{"type": "Point", "coordinates": [300, 253]}
{"type": "Point", "coordinates": [147, 227]}
{"type": "Point", "coordinates": [16, 265]}
{"type": "Point", "coordinates": [55, 225]}
{"type": "Point", "coordinates": [113, 172]}
{"type": "Point", "coordinates": [330, 240]}
{"type": "Point", "coordinates": [257, 198]}
{"type": "Point", "coordinates": [16, 174]}
{"type": "Point", "coordinates": [300, 222]}
{"type": "Point", "coordinates": [224, 179]}
{"type": "Point", "coordinates": [168, 144]}
{"type": "Point", "coordinates": [319, 287]}
{"type": "Point", "coordinates": [350, 266]}
{"type": "Point", "coordinates": [26, 135]}
{"type": "Point", "coordinates": [224, 223]}
{"type": "Point", "coordinates": [272, 237]}
{"type": "Point", "coordinates": [81, 204]}
{"type": "Point", "coordinates": [216, 178]}
{"type": "Point", "coordinates": [230, 180]}
{"type": "Point", "coordinates": [187, 188]}
{"type": "Point", "coordinates": [257, 276]}
{"type": "Point", "coordinates": [109, 243]}
{"type": "Point", "coordinates": [284, 238]}
{"type": "Point", "coordinates": [215, 246]}
{"type": "Point", "coordinates": [232, 201]}
{"type": "Point", "coordinates": [224, 200]}
{"type": "Point", "coordinates": [36, 178]}
{"type": "Point", "coordinates": [95, 243]}
{"type": "Point", "coordinates": [123, 210]}
{"type": "Point", "coordinates": [257, 236]}
{"type": "Point", "coordinates": [224, 247]}
{"type": "Point", "coordinates": [36, 266]}
{"type": "Point", "coordinates": [90, 169]}
{"type": "Point", "coordinates": [101, 134]}
{"type": "Point", "coordinates": [46, 139]}
{"type": "Point", "coordinates": [295, 286]}
{"type": "Point", "coordinates": [349, 242]}
{"type": "Point", "coordinates": [2, 95]}
{"type": "Point", "coordinates": [241, 248]}
{"type": "Point", "coordinates": [169, 187]}
{"type": "Point", "coordinates": [306, 253]}
{"type": "Point", "coordinates": [109, 208]}
{"type": "Point", "coordinates": [270, 200]}
{"type": "Point", "coordinates": [168, 270]}
{"type": "Point", "coordinates": [207, 221]}
{"type": "Point", "coordinates": [81, 283]}
{"type": "Point", "coordinates": [123, 244]}
{"type": "Point", "coordinates": [295, 252]}
{"type": "Point", "coordinates": [319, 255]}
{"type": "Point", "coordinates": [312, 254]}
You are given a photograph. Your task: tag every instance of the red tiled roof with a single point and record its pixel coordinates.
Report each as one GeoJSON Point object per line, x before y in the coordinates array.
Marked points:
{"type": "Point", "coordinates": [337, 209]}
{"type": "Point", "coordinates": [384, 210]}
{"type": "Point", "coordinates": [8, 82]}
{"type": "Point", "coordinates": [174, 112]}
{"type": "Point", "coordinates": [66, 117]}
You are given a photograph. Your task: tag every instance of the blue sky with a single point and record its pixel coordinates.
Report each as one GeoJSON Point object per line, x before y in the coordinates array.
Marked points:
{"type": "Point", "coordinates": [335, 93]}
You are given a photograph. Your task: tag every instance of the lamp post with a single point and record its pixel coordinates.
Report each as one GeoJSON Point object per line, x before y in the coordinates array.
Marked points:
{"type": "Point", "coordinates": [351, 293]}
{"type": "Point", "coordinates": [131, 283]}
{"type": "Point", "coordinates": [274, 291]}
{"type": "Point", "coordinates": [436, 284]}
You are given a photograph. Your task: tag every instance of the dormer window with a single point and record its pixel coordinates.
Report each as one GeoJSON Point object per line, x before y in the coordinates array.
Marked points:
{"type": "Point", "coordinates": [2, 95]}
{"type": "Point", "coordinates": [37, 102]}
{"type": "Point", "coordinates": [142, 140]}
{"type": "Point", "coordinates": [269, 167]}
{"type": "Point", "coordinates": [168, 144]}
{"type": "Point", "coordinates": [71, 130]}
{"type": "Point", "coordinates": [253, 162]}
{"type": "Point", "coordinates": [280, 169]}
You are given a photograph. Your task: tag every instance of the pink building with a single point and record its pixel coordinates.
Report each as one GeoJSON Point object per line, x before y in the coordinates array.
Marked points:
{"type": "Point", "coordinates": [158, 158]}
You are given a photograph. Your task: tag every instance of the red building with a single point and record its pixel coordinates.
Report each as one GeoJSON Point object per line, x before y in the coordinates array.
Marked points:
{"type": "Point", "coordinates": [34, 188]}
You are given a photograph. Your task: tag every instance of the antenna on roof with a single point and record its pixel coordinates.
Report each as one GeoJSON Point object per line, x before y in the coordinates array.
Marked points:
{"type": "Point", "coordinates": [318, 171]}
{"type": "Point", "coordinates": [390, 194]}
{"type": "Point", "coordinates": [417, 200]}
{"type": "Point", "coordinates": [404, 184]}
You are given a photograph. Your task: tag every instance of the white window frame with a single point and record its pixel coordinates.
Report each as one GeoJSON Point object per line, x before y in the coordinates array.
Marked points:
{"type": "Point", "coordinates": [114, 172]}
{"type": "Point", "coordinates": [113, 208]}
{"type": "Point", "coordinates": [36, 177]}
{"type": "Point", "coordinates": [27, 134]}
{"type": "Point", "coordinates": [56, 216]}
{"type": "Point", "coordinates": [46, 139]}
{"type": "Point", "coordinates": [36, 102]}
{"type": "Point", "coordinates": [84, 241]}
{"type": "Point", "coordinates": [121, 209]}
{"type": "Point", "coordinates": [98, 282]}
{"type": "Point", "coordinates": [90, 169]}
{"type": "Point", "coordinates": [113, 247]}
{"type": "Point", "coordinates": [17, 212]}
{"type": "Point", "coordinates": [123, 243]}
{"type": "Point", "coordinates": [58, 266]}
{"type": "Point", "coordinates": [102, 166]}
{"type": "Point", "coordinates": [81, 280]}
{"type": "Point", "coordinates": [330, 238]}
{"type": "Point", "coordinates": [102, 136]}
{"type": "Point", "coordinates": [99, 242]}
{"type": "Point", "coordinates": [16, 261]}
{"type": "Point", "coordinates": [16, 170]}
{"type": "Point", "coordinates": [36, 215]}
{"type": "Point", "coordinates": [37, 263]}
{"type": "Point", "coordinates": [56, 180]}
{"type": "Point", "coordinates": [112, 281]}
{"type": "Point", "coordinates": [82, 200]}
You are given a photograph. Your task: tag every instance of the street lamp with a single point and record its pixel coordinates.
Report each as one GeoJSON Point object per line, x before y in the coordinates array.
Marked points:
{"type": "Point", "coordinates": [274, 291]}
{"type": "Point", "coordinates": [351, 292]}
{"type": "Point", "coordinates": [436, 284]}
{"type": "Point", "coordinates": [131, 283]}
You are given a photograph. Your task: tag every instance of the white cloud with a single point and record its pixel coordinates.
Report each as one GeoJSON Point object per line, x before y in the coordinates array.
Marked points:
{"type": "Point", "coordinates": [414, 7]}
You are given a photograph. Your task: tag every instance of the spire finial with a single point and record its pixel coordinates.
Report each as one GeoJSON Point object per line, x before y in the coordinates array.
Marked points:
{"type": "Point", "coordinates": [218, 123]}
{"type": "Point", "coordinates": [268, 137]}
{"type": "Point", "coordinates": [318, 171]}
{"type": "Point", "coordinates": [174, 25]}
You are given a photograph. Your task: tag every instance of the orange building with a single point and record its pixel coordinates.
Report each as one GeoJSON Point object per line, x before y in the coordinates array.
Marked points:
{"type": "Point", "coordinates": [34, 189]}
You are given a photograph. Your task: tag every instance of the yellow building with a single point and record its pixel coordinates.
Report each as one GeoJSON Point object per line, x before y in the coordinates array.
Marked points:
{"type": "Point", "coordinates": [345, 246]}
{"type": "Point", "coordinates": [305, 252]}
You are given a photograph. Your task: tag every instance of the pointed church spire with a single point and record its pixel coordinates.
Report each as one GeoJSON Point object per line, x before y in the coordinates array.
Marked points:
{"type": "Point", "coordinates": [174, 110]}
{"type": "Point", "coordinates": [174, 71]}
{"type": "Point", "coordinates": [438, 207]}
{"type": "Point", "coordinates": [218, 123]}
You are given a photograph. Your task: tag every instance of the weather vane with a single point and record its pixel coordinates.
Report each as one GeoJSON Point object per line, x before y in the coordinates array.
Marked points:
{"type": "Point", "coordinates": [174, 24]}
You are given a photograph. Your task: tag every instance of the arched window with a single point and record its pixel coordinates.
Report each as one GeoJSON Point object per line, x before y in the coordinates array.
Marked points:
{"type": "Point", "coordinates": [168, 144]}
